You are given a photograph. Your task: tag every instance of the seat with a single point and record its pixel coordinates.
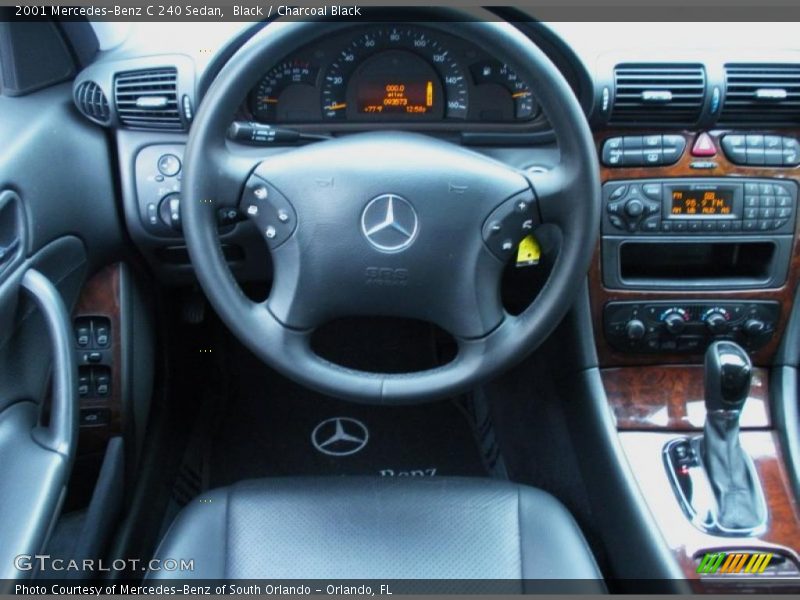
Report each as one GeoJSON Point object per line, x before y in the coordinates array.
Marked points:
{"type": "Point", "coordinates": [378, 528]}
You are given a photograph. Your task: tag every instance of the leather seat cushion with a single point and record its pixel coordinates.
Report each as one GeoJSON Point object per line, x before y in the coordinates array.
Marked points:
{"type": "Point", "coordinates": [378, 528]}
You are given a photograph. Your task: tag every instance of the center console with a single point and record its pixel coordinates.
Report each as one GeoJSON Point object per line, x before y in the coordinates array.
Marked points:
{"type": "Point", "coordinates": [701, 252]}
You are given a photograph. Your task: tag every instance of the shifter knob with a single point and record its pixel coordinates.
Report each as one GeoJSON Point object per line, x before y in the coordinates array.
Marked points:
{"type": "Point", "coordinates": [728, 372]}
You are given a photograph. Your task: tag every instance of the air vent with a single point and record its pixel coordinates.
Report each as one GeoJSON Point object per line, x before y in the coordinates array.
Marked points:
{"type": "Point", "coordinates": [148, 99]}
{"type": "Point", "coordinates": [762, 94]}
{"type": "Point", "coordinates": [92, 102]}
{"type": "Point", "coordinates": [647, 94]}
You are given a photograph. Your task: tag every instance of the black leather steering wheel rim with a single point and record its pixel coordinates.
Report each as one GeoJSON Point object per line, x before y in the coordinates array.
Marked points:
{"type": "Point", "coordinates": [568, 196]}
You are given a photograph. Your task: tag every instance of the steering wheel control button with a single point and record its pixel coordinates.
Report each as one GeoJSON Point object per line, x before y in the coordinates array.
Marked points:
{"type": "Point", "coordinates": [270, 210]}
{"type": "Point", "coordinates": [508, 224]}
{"type": "Point", "coordinates": [169, 165]}
{"type": "Point", "coordinates": [389, 223]}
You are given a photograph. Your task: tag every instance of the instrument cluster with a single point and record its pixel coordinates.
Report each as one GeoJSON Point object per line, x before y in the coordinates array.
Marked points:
{"type": "Point", "coordinates": [392, 74]}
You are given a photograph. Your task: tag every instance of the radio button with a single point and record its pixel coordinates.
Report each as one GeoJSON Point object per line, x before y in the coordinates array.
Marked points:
{"type": "Point", "coordinates": [772, 142]}
{"type": "Point", "coordinates": [765, 224]}
{"type": "Point", "coordinates": [616, 222]}
{"type": "Point", "coordinates": [783, 213]}
{"type": "Point", "coordinates": [724, 226]}
{"type": "Point", "coordinates": [652, 190]}
{"type": "Point", "coordinates": [749, 225]}
{"type": "Point", "coordinates": [755, 141]}
{"type": "Point", "coordinates": [750, 213]}
{"type": "Point", "coordinates": [618, 192]}
{"type": "Point", "coordinates": [767, 202]}
{"type": "Point", "coordinates": [634, 207]}
{"type": "Point", "coordinates": [680, 226]}
{"type": "Point", "coordinates": [666, 226]}
{"type": "Point", "coordinates": [766, 213]}
{"type": "Point", "coordinates": [695, 226]}
{"type": "Point", "coordinates": [783, 201]}
{"type": "Point", "coordinates": [653, 207]}
{"type": "Point", "coordinates": [710, 226]}
{"type": "Point", "coordinates": [651, 224]}
{"type": "Point", "coordinates": [736, 225]}
{"type": "Point", "coordinates": [780, 223]}
{"type": "Point", "coordinates": [780, 190]}
{"type": "Point", "coordinates": [765, 189]}
{"type": "Point", "coordinates": [615, 208]}
{"type": "Point", "coordinates": [751, 201]}
{"type": "Point", "coordinates": [750, 187]}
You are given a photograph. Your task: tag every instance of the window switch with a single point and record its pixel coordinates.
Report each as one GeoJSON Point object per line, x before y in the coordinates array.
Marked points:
{"type": "Point", "coordinates": [101, 337]}
{"type": "Point", "coordinates": [82, 335]}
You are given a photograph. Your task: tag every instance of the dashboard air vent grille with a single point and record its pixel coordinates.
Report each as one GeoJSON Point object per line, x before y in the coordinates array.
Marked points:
{"type": "Point", "coordinates": [761, 94]}
{"type": "Point", "coordinates": [658, 93]}
{"type": "Point", "coordinates": [92, 102]}
{"type": "Point", "coordinates": [148, 99]}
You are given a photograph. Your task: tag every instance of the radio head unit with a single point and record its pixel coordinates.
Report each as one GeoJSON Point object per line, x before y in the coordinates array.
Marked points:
{"type": "Point", "coordinates": [699, 206]}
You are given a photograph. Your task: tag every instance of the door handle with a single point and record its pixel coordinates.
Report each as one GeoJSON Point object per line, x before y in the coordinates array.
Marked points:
{"type": "Point", "coordinates": [61, 434]}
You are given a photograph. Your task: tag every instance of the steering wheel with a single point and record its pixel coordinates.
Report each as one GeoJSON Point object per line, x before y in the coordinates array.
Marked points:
{"type": "Point", "coordinates": [391, 224]}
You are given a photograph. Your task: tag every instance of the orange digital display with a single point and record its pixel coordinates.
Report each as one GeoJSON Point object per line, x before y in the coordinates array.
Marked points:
{"type": "Point", "coordinates": [416, 97]}
{"type": "Point", "coordinates": [699, 203]}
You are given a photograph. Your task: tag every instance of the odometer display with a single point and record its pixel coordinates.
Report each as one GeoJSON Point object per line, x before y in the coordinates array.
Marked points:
{"type": "Point", "coordinates": [395, 73]}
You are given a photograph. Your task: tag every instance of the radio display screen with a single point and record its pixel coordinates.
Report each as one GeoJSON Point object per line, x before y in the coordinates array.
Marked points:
{"type": "Point", "coordinates": [702, 203]}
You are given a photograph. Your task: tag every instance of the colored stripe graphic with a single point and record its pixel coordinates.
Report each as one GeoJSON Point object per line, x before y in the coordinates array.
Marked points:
{"type": "Point", "coordinates": [733, 563]}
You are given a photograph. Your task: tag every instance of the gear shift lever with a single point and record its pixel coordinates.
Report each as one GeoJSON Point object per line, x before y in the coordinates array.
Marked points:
{"type": "Point", "coordinates": [728, 372]}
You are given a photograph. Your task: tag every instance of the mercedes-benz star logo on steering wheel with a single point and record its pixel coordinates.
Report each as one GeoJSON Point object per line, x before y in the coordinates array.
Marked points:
{"type": "Point", "coordinates": [340, 436]}
{"type": "Point", "coordinates": [389, 223]}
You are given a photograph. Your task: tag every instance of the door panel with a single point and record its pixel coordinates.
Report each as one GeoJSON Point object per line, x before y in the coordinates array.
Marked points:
{"type": "Point", "coordinates": [59, 221]}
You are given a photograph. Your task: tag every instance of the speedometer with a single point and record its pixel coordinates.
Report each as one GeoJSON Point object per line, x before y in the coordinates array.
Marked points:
{"type": "Point", "coordinates": [395, 73]}
{"type": "Point", "coordinates": [279, 95]}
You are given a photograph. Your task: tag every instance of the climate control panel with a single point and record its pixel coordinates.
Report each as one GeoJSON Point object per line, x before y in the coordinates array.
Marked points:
{"type": "Point", "coordinates": [688, 327]}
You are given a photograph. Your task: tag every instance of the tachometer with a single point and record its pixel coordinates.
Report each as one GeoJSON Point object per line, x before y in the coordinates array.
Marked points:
{"type": "Point", "coordinates": [280, 94]}
{"type": "Point", "coordinates": [395, 73]}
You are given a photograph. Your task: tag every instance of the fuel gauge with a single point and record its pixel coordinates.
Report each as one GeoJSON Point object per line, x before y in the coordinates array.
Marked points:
{"type": "Point", "coordinates": [506, 97]}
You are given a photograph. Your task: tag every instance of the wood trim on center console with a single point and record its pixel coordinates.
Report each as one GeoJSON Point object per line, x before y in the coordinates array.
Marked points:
{"type": "Point", "coordinates": [670, 398]}
{"type": "Point", "coordinates": [600, 295]}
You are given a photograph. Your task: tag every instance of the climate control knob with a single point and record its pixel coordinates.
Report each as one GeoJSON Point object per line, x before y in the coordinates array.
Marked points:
{"type": "Point", "coordinates": [635, 329]}
{"type": "Point", "coordinates": [717, 321]}
{"type": "Point", "coordinates": [754, 326]}
{"type": "Point", "coordinates": [674, 320]}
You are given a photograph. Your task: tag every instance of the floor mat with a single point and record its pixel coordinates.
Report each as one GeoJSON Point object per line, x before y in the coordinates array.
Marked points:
{"type": "Point", "coordinates": [267, 426]}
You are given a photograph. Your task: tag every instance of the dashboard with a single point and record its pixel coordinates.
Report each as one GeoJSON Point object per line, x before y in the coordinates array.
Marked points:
{"type": "Point", "coordinates": [393, 74]}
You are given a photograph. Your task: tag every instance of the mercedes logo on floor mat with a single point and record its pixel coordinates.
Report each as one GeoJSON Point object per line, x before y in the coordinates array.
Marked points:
{"type": "Point", "coordinates": [340, 436]}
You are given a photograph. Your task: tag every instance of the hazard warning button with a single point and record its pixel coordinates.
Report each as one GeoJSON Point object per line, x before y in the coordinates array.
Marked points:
{"type": "Point", "coordinates": [704, 146]}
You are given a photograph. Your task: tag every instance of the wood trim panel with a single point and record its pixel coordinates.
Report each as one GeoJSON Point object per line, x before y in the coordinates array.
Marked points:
{"type": "Point", "coordinates": [600, 295]}
{"type": "Point", "coordinates": [643, 452]}
{"type": "Point", "coordinates": [100, 297]}
{"type": "Point", "coordinates": [670, 398]}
